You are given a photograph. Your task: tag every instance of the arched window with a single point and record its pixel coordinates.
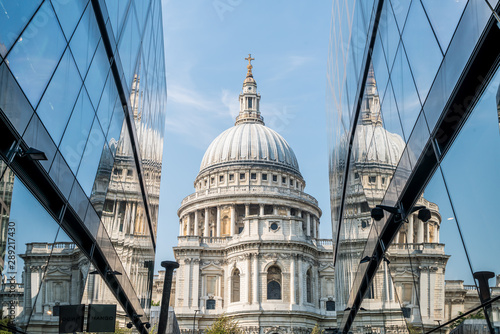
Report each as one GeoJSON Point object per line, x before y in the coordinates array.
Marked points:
{"type": "Point", "coordinates": [308, 286]}
{"type": "Point", "coordinates": [235, 289]}
{"type": "Point", "coordinates": [274, 283]}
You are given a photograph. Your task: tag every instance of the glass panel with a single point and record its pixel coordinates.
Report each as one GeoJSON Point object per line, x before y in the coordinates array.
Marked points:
{"type": "Point", "coordinates": [13, 17]}
{"type": "Point", "coordinates": [96, 77]}
{"type": "Point", "coordinates": [36, 53]}
{"type": "Point", "coordinates": [400, 8]}
{"type": "Point", "coordinates": [77, 131]}
{"type": "Point", "coordinates": [116, 11]}
{"type": "Point", "coordinates": [68, 14]}
{"type": "Point", "coordinates": [407, 101]}
{"type": "Point", "coordinates": [12, 100]}
{"type": "Point", "coordinates": [444, 16]}
{"type": "Point", "coordinates": [106, 105]}
{"type": "Point", "coordinates": [470, 170]}
{"type": "Point", "coordinates": [63, 282]}
{"type": "Point", "coordinates": [84, 41]}
{"type": "Point", "coordinates": [128, 47]}
{"type": "Point", "coordinates": [102, 180]}
{"type": "Point", "coordinates": [26, 250]}
{"type": "Point", "coordinates": [389, 33]}
{"type": "Point", "coordinates": [93, 151]}
{"type": "Point", "coordinates": [57, 103]}
{"type": "Point", "coordinates": [424, 61]}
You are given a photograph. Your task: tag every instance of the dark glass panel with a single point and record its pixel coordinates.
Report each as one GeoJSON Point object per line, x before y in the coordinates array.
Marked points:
{"type": "Point", "coordinates": [102, 180]}
{"type": "Point", "coordinates": [57, 103]}
{"type": "Point", "coordinates": [68, 14]}
{"type": "Point", "coordinates": [78, 200]}
{"type": "Point", "coordinates": [61, 174]}
{"type": "Point", "coordinates": [13, 18]}
{"type": "Point", "coordinates": [84, 41]}
{"type": "Point", "coordinates": [13, 103]}
{"type": "Point", "coordinates": [36, 136]}
{"type": "Point", "coordinates": [36, 53]}
{"type": "Point", "coordinates": [77, 131]}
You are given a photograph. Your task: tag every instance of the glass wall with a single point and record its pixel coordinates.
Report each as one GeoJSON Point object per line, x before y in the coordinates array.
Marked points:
{"type": "Point", "coordinates": [401, 136]}
{"type": "Point", "coordinates": [83, 82]}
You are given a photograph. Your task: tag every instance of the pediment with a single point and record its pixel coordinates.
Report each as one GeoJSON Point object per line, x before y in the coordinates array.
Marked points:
{"type": "Point", "coordinates": [212, 268]}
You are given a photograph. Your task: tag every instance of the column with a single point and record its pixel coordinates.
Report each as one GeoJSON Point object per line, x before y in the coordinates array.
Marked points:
{"type": "Point", "coordinates": [189, 223]}
{"type": "Point", "coordinates": [218, 222]}
{"type": "Point", "coordinates": [196, 222]}
{"type": "Point", "coordinates": [255, 285]}
{"type": "Point", "coordinates": [427, 234]}
{"type": "Point", "coordinates": [261, 207]}
{"type": "Point", "coordinates": [180, 228]}
{"type": "Point", "coordinates": [317, 228]}
{"type": "Point", "coordinates": [248, 277]}
{"type": "Point", "coordinates": [275, 210]}
{"type": "Point", "coordinates": [386, 282]}
{"type": "Point", "coordinates": [437, 233]}
{"type": "Point", "coordinates": [301, 281]}
{"type": "Point", "coordinates": [313, 225]}
{"type": "Point", "coordinates": [196, 284]}
{"type": "Point", "coordinates": [409, 234]}
{"type": "Point", "coordinates": [420, 232]}
{"type": "Point", "coordinates": [233, 219]}
{"type": "Point", "coordinates": [308, 230]}
{"type": "Point", "coordinates": [247, 210]}
{"type": "Point", "coordinates": [187, 279]}
{"type": "Point", "coordinates": [293, 299]}
{"type": "Point", "coordinates": [205, 229]}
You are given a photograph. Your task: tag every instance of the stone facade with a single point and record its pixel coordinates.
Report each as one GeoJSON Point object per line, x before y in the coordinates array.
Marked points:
{"type": "Point", "coordinates": [249, 243]}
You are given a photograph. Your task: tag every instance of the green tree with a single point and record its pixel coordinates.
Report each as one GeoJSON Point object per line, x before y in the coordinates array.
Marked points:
{"type": "Point", "coordinates": [224, 325]}
{"type": "Point", "coordinates": [317, 330]}
{"type": "Point", "coordinates": [478, 315]}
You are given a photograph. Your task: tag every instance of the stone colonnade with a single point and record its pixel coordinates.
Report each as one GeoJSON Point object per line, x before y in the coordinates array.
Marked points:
{"type": "Point", "coordinates": [214, 222]}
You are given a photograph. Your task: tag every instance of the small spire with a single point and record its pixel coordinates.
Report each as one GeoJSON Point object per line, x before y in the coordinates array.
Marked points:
{"type": "Point", "coordinates": [249, 66]}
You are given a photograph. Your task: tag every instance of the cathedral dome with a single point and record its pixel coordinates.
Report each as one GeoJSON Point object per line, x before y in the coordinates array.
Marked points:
{"type": "Point", "coordinates": [250, 143]}
{"type": "Point", "coordinates": [373, 143]}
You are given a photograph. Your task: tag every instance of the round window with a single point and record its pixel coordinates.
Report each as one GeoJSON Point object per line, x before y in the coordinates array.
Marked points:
{"type": "Point", "coordinates": [274, 226]}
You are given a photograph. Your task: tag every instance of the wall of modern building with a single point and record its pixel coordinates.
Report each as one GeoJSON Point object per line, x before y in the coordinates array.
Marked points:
{"type": "Point", "coordinates": [84, 83]}
{"type": "Point", "coordinates": [412, 114]}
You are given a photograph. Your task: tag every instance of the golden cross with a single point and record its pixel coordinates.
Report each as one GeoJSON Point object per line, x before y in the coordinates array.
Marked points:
{"type": "Point", "coordinates": [250, 59]}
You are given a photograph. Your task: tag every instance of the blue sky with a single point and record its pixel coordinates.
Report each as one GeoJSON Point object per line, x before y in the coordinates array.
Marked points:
{"type": "Point", "coordinates": [205, 46]}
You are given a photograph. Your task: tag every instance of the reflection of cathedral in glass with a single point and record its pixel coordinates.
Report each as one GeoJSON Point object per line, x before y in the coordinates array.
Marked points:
{"type": "Point", "coordinates": [375, 155]}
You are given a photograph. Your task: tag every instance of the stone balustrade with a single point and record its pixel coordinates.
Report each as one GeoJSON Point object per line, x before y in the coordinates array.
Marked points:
{"type": "Point", "coordinates": [251, 189]}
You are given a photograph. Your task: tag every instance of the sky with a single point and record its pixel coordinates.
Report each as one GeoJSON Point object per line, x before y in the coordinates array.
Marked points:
{"type": "Point", "coordinates": [205, 46]}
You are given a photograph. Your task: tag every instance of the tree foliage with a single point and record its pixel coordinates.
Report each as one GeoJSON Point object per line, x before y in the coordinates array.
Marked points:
{"type": "Point", "coordinates": [224, 325]}
{"type": "Point", "coordinates": [478, 315]}
{"type": "Point", "coordinates": [317, 330]}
